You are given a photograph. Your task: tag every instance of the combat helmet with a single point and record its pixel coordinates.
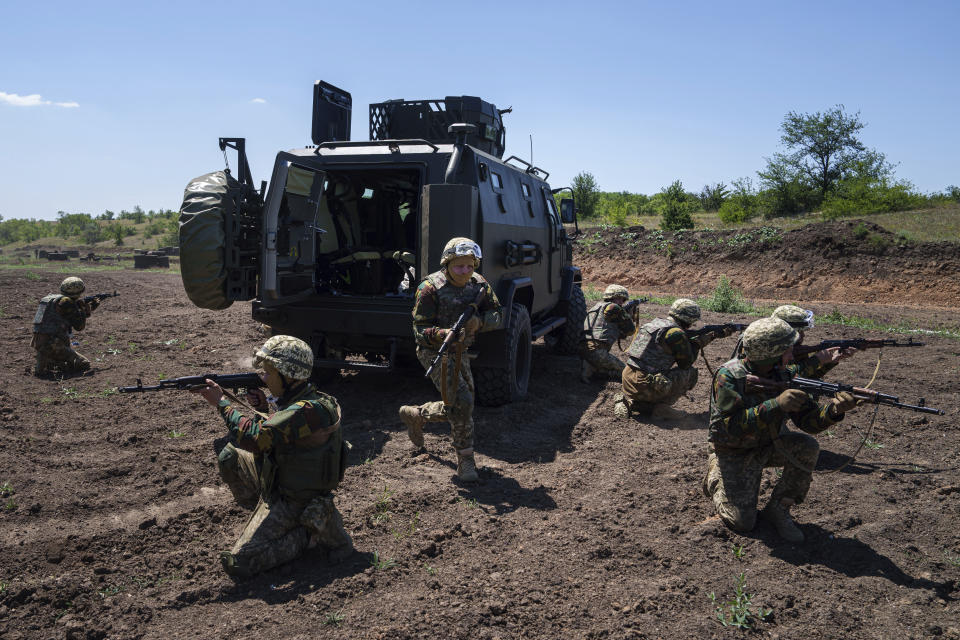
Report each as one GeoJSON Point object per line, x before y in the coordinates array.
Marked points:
{"type": "Point", "coordinates": [615, 291]}
{"type": "Point", "coordinates": [794, 316]}
{"type": "Point", "coordinates": [72, 286]}
{"type": "Point", "coordinates": [290, 356]}
{"type": "Point", "coordinates": [768, 339]}
{"type": "Point", "coordinates": [685, 311]}
{"type": "Point", "coordinates": [458, 247]}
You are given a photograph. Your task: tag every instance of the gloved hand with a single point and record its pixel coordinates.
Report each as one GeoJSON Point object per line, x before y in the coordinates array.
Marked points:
{"type": "Point", "coordinates": [473, 325]}
{"type": "Point", "coordinates": [843, 402]}
{"type": "Point", "coordinates": [791, 399]}
{"type": "Point", "coordinates": [257, 399]}
{"type": "Point", "coordinates": [85, 308]}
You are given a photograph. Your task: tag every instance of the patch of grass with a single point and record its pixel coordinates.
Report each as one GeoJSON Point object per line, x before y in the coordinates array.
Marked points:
{"type": "Point", "coordinates": [6, 489]}
{"type": "Point", "coordinates": [951, 559]}
{"type": "Point", "coordinates": [726, 298]}
{"type": "Point", "coordinates": [872, 444]}
{"type": "Point", "coordinates": [738, 612]}
{"type": "Point", "coordinates": [381, 564]}
{"type": "Point", "coordinates": [3, 587]}
{"type": "Point", "coordinates": [470, 502]}
{"type": "Point", "coordinates": [861, 231]}
{"type": "Point", "coordinates": [11, 505]}
{"type": "Point", "coordinates": [112, 590]}
{"type": "Point", "coordinates": [70, 392]}
{"type": "Point", "coordinates": [837, 317]}
{"type": "Point", "coordinates": [333, 618]}
{"type": "Point", "coordinates": [738, 551]}
{"type": "Point", "coordinates": [410, 529]}
{"type": "Point", "coordinates": [176, 434]}
{"type": "Point", "coordinates": [382, 506]}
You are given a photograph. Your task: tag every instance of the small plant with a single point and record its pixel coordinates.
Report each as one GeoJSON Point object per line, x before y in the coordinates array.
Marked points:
{"type": "Point", "coordinates": [176, 434]}
{"type": "Point", "coordinates": [726, 298]}
{"type": "Point", "coordinates": [70, 392]}
{"type": "Point", "coordinates": [333, 618]}
{"type": "Point", "coordinates": [951, 559]}
{"type": "Point", "coordinates": [861, 231]}
{"type": "Point", "coordinates": [470, 502]}
{"type": "Point", "coordinates": [381, 564]}
{"type": "Point", "coordinates": [738, 551]}
{"type": "Point", "coordinates": [3, 587]}
{"type": "Point", "coordinates": [872, 444]}
{"type": "Point", "coordinates": [430, 569]}
{"type": "Point", "coordinates": [6, 489]}
{"type": "Point", "coordinates": [11, 505]}
{"type": "Point", "coordinates": [738, 612]}
{"type": "Point", "coordinates": [382, 506]}
{"type": "Point", "coordinates": [112, 590]}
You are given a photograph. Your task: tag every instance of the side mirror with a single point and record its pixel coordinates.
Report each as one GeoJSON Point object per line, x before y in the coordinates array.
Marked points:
{"type": "Point", "coordinates": [568, 212]}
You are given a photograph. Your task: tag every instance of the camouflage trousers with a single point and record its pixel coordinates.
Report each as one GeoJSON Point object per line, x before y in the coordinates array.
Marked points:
{"type": "Point", "coordinates": [279, 530]}
{"type": "Point", "coordinates": [733, 478]}
{"type": "Point", "coordinates": [460, 394]}
{"type": "Point", "coordinates": [656, 388]}
{"type": "Point", "coordinates": [597, 355]}
{"type": "Point", "coordinates": [54, 353]}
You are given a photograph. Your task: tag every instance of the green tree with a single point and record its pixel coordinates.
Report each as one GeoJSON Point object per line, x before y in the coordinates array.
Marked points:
{"type": "Point", "coordinates": [675, 214]}
{"type": "Point", "coordinates": [586, 193]}
{"type": "Point", "coordinates": [712, 196]}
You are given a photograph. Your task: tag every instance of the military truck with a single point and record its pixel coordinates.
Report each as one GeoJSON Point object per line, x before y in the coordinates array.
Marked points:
{"type": "Point", "coordinates": [334, 250]}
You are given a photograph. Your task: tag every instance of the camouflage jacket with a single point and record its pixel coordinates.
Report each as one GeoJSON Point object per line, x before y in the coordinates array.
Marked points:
{"type": "Point", "coordinates": [607, 322]}
{"type": "Point", "coordinates": [742, 417]}
{"type": "Point", "coordinates": [59, 314]}
{"type": "Point", "coordinates": [439, 303]}
{"type": "Point", "coordinates": [300, 445]}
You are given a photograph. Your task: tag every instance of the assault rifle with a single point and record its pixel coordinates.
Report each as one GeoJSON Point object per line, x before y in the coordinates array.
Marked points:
{"type": "Point", "coordinates": [714, 328]}
{"type": "Point", "coordinates": [630, 305]}
{"type": "Point", "coordinates": [100, 297]}
{"type": "Point", "coordinates": [233, 381]}
{"type": "Point", "coordinates": [856, 343]}
{"type": "Point", "coordinates": [454, 334]}
{"type": "Point", "coordinates": [820, 388]}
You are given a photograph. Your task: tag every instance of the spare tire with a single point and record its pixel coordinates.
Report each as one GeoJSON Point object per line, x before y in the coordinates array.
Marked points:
{"type": "Point", "coordinates": [206, 203]}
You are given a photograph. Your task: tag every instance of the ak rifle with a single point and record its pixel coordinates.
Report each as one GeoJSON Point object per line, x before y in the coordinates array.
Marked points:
{"type": "Point", "coordinates": [630, 305]}
{"type": "Point", "coordinates": [100, 297]}
{"type": "Point", "coordinates": [819, 388]}
{"type": "Point", "coordinates": [856, 343]}
{"type": "Point", "coordinates": [235, 381]}
{"type": "Point", "coordinates": [714, 328]}
{"type": "Point", "coordinates": [453, 335]}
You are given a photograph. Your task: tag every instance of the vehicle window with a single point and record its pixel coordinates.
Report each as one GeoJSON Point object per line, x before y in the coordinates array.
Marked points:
{"type": "Point", "coordinates": [526, 189]}
{"type": "Point", "coordinates": [367, 194]}
{"type": "Point", "coordinates": [496, 180]}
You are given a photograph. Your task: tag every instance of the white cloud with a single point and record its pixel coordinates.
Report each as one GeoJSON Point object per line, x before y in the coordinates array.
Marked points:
{"type": "Point", "coordinates": [259, 101]}
{"type": "Point", "coordinates": [33, 100]}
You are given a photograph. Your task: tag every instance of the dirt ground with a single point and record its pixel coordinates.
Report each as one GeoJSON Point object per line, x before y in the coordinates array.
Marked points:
{"type": "Point", "coordinates": [583, 525]}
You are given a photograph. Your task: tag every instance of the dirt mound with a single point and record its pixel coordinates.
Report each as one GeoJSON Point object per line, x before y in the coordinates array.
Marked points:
{"type": "Point", "coordinates": [583, 525]}
{"type": "Point", "coordinates": [853, 261]}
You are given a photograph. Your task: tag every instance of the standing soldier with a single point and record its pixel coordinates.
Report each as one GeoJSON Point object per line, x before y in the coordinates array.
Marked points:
{"type": "Point", "coordinates": [56, 317]}
{"type": "Point", "coordinates": [283, 466]}
{"type": "Point", "coordinates": [660, 364]}
{"type": "Point", "coordinates": [605, 324]}
{"type": "Point", "coordinates": [748, 431]}
{"type": "Point", "coordinates": [441, 299]}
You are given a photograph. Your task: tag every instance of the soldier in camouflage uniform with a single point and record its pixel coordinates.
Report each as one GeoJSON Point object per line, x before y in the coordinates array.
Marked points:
{"type": "Point", "coordinates": [58, 315]}
{"type": "Point", "coordinates": [283, 466]}
{"type": "Point", "coordinates": [660, 364]}
{"type": "Point", "coordinates": [605, 324]}
{"type": "Point", "coordinates": [748, 431]}
{"type": "Point", "coordinates": [440, 300]}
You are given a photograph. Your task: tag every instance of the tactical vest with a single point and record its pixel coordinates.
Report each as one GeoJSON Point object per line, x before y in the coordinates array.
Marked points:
{"type": "Point", "coordinates": [452, 301]}
{"type": "Point", "coordinates": [310, 466]}
{"type": "Point", "coordinates": [647, 351]}
{"type": "Point", "coordinates": [48, 319]}
{"type": "Point", "coordinates": [596, 327]}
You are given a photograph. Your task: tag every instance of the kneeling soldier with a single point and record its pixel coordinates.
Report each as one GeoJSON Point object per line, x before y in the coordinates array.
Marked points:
{"type": "Point", "coordinates": [58, 315]}
{"type": "Point", "coordinates": [606, 323]}
{"type": "Point", "coordinates": [284, 466]}
{"type": "Point", "coordinates": [748, 431]}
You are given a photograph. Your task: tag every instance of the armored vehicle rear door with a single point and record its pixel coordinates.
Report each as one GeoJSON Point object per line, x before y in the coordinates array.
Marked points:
{"type": "Point", "coordinates": [290, 233]}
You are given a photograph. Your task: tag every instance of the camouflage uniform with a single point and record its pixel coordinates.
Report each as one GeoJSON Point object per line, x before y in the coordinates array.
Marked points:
{"type": "Point", "coordinates": [438, 305]}
{"type": "Point", "coordinates": [748, 433]}
{"type": "Point", "coordinates": [285, 468]}
{"type": "Point", "coordinates": [605, 324]}
{"type": "Point", "coordinates": [57, 315]}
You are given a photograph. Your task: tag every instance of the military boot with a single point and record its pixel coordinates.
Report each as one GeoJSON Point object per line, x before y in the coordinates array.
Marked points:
{"type": "Point", "coordinates": [778, 515]}
{"type": "Point", "coordinates": [620, 407]}
{"type": "Point", "coordinates": [586, 370]}
{"type": "Point", "coordinates": [705, 484]}
{"type": "Point", "coordinates": [466, 467]}
{"type": "Point", "coordinates": [411, 417]}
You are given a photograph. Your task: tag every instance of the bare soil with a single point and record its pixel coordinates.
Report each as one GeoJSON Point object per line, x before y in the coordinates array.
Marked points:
{"type": "Point", "coordinates": [583, 525]}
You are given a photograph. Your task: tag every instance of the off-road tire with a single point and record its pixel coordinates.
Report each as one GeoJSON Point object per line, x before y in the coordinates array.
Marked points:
{"type": "Point", "coordinates": [567, 338]}
{"type": "Point", "coordinates": [496, 386]}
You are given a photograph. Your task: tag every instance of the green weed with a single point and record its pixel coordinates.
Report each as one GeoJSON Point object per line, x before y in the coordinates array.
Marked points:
{"type": "Point", "coordinates": [70, 392]}
{"type": "Point", "coordinates": [951, 559]}
{"type": "Point", "coordinates": [470, 502]}
{"type": "Point", "coordinates": [381, 564]}
{"type": "Point", "coordinates": [410, 529]}
{"type": "Point", "coordinates": [738, 551]}
{"type": "Point", "coordinates": [112, 590]}
{"type": "Point", "coordinates": [861, 231]}
{"type": "Point", "coordinates": [3, 587]}
{"type": "Point", "coordinates": [872, 444]}
{"type": "Point", "coordinates": [176, 434]}
{"type": "Point", "coordinates": [430, 569]}
{"type": "Point", "coordinates": [6, 489]}
{"type": "Point", "coordinates": [334, 618]}
{"type": "Point", "coordinates": [11, 505]}
{"type": "Point", "coordinates": [738, 612]}
{"type": "Point", "coordinates": [382, 506]}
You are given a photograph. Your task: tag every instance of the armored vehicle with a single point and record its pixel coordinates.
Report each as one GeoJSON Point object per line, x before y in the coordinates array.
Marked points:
{"type": "Point", "coordinates": [334, 250]}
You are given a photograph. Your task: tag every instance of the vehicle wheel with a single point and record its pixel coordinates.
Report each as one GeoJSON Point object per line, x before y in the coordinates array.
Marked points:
{"type": "Point", "coordinates": [567, 338]}
{"type": "Point", "coordinates": [496, 386]}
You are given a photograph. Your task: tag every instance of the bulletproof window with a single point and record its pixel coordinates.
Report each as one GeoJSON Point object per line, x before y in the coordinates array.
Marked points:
{"type": "Point", "coordinates": [496, 180]}
{"type": "Point", "coordinates": [367, 194]}
{"type": "Point", "coordinates": [526, 189]}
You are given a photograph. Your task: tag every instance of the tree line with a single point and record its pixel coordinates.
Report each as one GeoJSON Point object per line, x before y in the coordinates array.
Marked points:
{"type": "Point", "coordinates": [823, 166]}
{"type": "Point", "coordinates": [87, 229]}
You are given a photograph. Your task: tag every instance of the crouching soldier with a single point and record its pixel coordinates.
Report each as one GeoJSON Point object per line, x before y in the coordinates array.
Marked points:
{"type": "Point", "coordinates": [283, 466]}
{"type": "Point", "coordinates": [606, 323]}
{"type": "Point", "coordinates": [748, 432]}
{"type": "Point", "coordinates": [441, 299]}
{"type": "Point", "coordinates": [661, 357]}
{"type": "Point", "coordinates": [58, 315]}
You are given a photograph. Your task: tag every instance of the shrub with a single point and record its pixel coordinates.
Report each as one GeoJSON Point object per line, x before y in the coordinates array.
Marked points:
{"type": "Point", "coordinates": [726, 298]}
{"type": "Point", "coordinates": [732, 213]}
{"type": "Point", "coordinates": [675, 214]}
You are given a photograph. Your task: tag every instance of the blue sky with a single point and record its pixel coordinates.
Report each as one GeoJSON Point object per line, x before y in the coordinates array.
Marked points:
{"type": "Point", "coordinates": [108, 105]}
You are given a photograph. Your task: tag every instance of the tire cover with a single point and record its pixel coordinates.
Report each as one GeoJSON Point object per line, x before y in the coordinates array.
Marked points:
{"type": "Point", "coordinates": [202, 266]}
